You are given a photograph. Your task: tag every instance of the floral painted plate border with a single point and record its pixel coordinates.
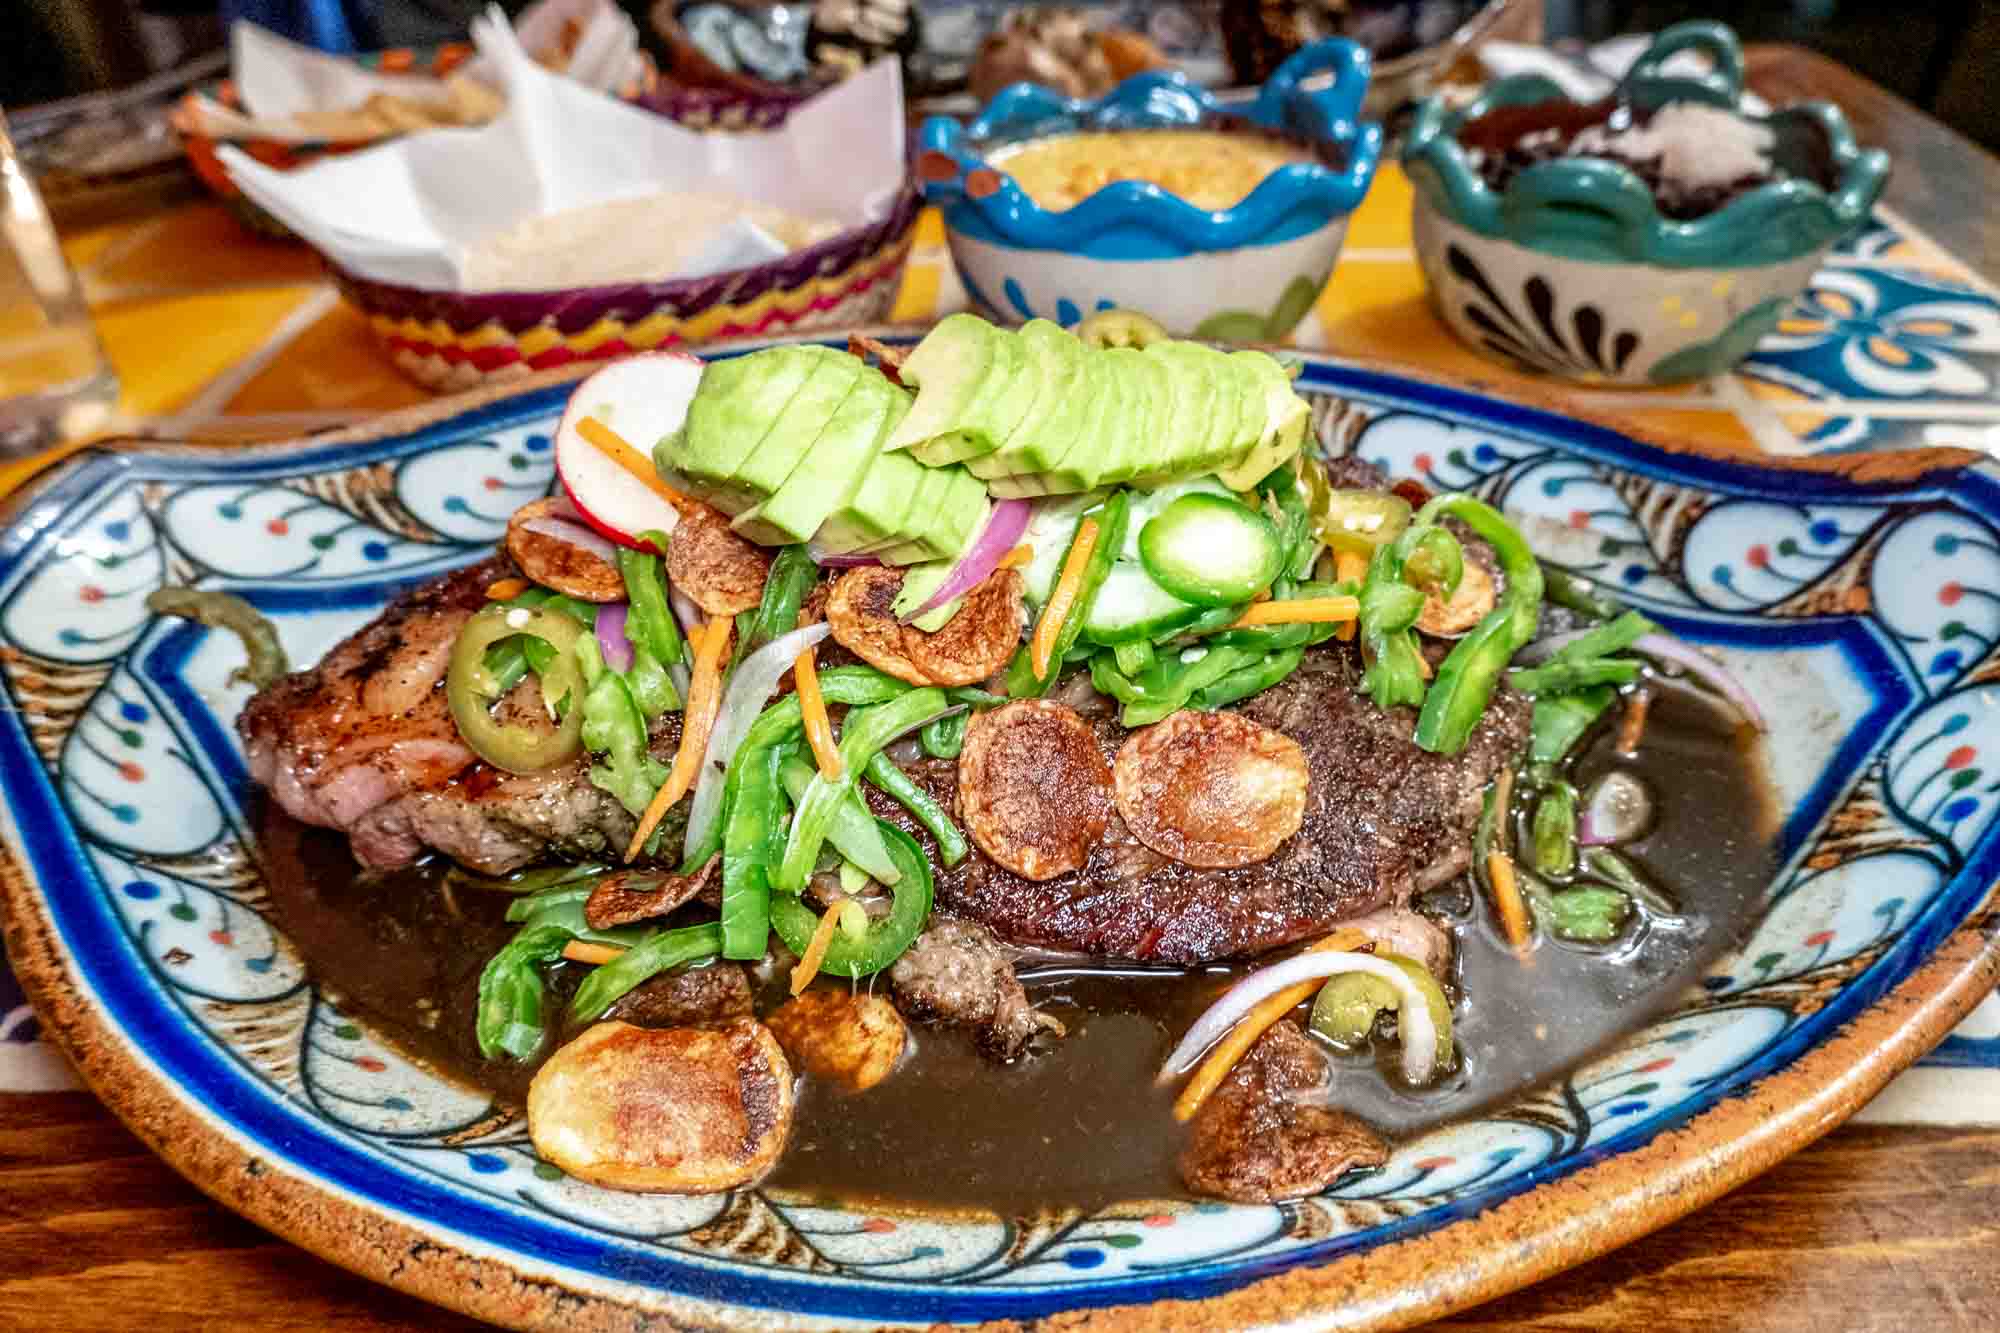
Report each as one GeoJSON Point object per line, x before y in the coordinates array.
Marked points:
{"type": "Point", "coordinates": [1864, 614]}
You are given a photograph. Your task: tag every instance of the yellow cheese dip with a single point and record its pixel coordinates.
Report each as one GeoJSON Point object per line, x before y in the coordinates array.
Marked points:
{"type": "Point", "coordinates": [1209, 168]}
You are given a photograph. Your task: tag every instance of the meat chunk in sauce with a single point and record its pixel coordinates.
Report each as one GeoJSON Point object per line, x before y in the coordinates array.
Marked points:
{"type": "Point", "coordinates": [1267, 1132]}
{"type": "Point", "coordinates": [852, 1040]}
{"type": "Point", "coordinates": [1211, 789]}
{"type": "Point", "coordinates": [958, 975]}
{"type": "Point", "coordinates": [687, 997]}
{"type": "Point", "coordinates": [1033, 787]}
{"type": "Point", "coordinates": [664, 1110]}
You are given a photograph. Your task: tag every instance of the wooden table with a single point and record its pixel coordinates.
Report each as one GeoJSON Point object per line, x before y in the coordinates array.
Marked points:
{"type": "Point", "coordinates": [1873, 1227]}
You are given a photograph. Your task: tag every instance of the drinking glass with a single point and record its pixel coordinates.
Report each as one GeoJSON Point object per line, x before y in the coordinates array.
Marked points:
{"type": "Point", "coordinates": [54, 379]}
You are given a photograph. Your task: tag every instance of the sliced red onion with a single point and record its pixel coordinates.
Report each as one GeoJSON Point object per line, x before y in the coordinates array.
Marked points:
{"type": "Point", "coordinates": [611, 640]}
{"type": "Point", "coordinates": [574, 534]}
{"type": "Point", "coordinates": [1414, 1027]}
{"type": "Point", "coordinates": [685, 610]}
{"type": "Point", "coordinates": [1618, 809]}
{"type": "Point", "coordinates": [753, 682]}
{"type": "Point", "coordinates": [1705, 669]}
{"type": "Point", "coordinates": [1001, 534]}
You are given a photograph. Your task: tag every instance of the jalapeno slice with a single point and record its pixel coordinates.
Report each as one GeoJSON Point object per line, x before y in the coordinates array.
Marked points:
{"type": "Point", "coordinates": [886, 937]}
{"type": "Point", "coordinates": [471, 689]}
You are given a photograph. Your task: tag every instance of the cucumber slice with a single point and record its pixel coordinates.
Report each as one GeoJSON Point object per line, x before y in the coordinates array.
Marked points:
{"type": "Point", "coordinates": [1211, 551]}
{"type": "Point", "coordinates": [1048, 534]}
{"type": "Point", "coordinates": [1130, 606]}
{"type": "Point", "coordinates": [1149, 505]}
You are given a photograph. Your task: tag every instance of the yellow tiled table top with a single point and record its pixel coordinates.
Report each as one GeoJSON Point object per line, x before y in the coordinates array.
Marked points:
{"type": "Point", "coordinates": [220, 334]}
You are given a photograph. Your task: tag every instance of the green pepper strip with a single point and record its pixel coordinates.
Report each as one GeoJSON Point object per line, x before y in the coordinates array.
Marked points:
{"type": "Point", "coordinates": [1563, 677]}
{"type": "Point", "coordinates": [1615, 870]}
{"type": "Point", "coordinates": [747, 851]}
{"type": "Point", "coordinates": [1555, 830]}
{"type": "Point", "coordinates": [509, 1020]}
{"type": "Point", "coordinates": [470, 690]}
{"type": "Point", "coordinates": [863, 735]}
{"type": "Point", "coordinates": [225, 610]}
{"type": "Point", "coordinates": [1253, 679]}
{"type": "Point", "coordinates": [1111, 517]}
{"type": "Point", "coordinates": [944, 738]}
{"type": "Point", "coordinates": [855, 686]}
{"type": "Point", "coordinates": [1171, 684]}
{"type": "Point", "coordinates": [1561, 721]}
{"type": "Point", "coordinates": [1295, 526]}
{"type": "Point", "coordinates": [614, 726]}
{"type": "Point", "coordinates": [883, 772]}
{"type": "Point", "coordinates": [1592, 915]}
{"type": "Point", "coordinates": [1566, 589]}
{"type": "Point", "coordinates": [1465, 682]}
{"type": "Point", "coordinates": [653, 955]}
{"type": "Point", "coordinates": [785, 588]}
{"type": "Point", "coordinates": [1207, 623]}
{"type": "Point", "coordinates": [886, 937]}
{"type": "Point", "coordinates": [1612, 637]}
{"type": "Point", "coordinates": [1389, 607]}
{"type": "Point", "coordinates": [852, 833]}
{"type": "Point", "coordinates": [649, 621]}
{"type": "Point", "coordinates": [1435, 563]}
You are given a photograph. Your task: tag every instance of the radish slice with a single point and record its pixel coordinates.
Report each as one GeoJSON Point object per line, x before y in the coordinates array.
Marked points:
{"type": "Point", "coordinates": [1004, 527]}
{"type": "Point", "coordinates": [611, 640]}
{"type": "Point", "coordinates": [642, 398]}
{"type": "Point", "coordinates": [1413, 1015]}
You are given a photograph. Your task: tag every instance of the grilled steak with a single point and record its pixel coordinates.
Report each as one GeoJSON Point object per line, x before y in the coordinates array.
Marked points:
{"type": "Point", "coordinates": [364, 742]}
{"type": "Point", "coordinates": [1383, 820]}
{"type": "Point", "coordinates": [958, 975]}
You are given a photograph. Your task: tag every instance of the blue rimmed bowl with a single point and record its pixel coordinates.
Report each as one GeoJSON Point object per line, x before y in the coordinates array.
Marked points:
{"type": "Point", "coordinates": [1573, 269]}
{"type": "Point", "coordinates": [1245, 273]}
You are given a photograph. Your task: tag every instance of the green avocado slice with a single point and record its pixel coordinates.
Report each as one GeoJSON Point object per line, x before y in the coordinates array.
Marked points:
{"type": "Point", "coordinates": [948, 369]}
{"type": "Point", "coordinates": [1057, 359]}
{"type": "Point", "coordinates": [736, 405]}
{"type": "Point", "coordinates": [876, 510]}
{"type": "Point", "coordinates": [1002, 403]}
{"type": "Point", "coordinates": [829, 471]}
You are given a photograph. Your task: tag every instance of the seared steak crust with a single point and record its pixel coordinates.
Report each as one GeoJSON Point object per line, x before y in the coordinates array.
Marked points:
{"type": "Point", "coordinates": [1383, 819]}
{"type": "Point", "coordinates": [364, 742]}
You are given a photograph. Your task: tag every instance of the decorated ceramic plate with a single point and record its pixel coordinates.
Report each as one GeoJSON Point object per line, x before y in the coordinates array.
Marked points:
{"type": "Point", "coordinates": [1863, 616]}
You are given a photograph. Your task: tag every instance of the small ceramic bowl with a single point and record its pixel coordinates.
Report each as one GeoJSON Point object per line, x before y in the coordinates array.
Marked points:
{"type": "Point", "coordinates": [1574, 270]}
{"type": "Point", "coordinates": [1247, 273]}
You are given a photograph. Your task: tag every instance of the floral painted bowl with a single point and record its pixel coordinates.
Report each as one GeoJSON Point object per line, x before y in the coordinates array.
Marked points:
{"type": "Point", "coordinates": [138, 922]}
{"type": "Point", "coordinates": [1246, 273]}
{"type": "Point", "coordinates": [1575, 271]}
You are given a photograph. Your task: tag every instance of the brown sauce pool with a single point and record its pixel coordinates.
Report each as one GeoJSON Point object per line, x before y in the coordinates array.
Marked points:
{"type": "Point", "coordinates": [1080, 1122]}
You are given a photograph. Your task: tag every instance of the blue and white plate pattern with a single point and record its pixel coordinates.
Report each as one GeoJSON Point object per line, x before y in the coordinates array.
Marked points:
{"type": "Point", "coordinates": [1865, 618]}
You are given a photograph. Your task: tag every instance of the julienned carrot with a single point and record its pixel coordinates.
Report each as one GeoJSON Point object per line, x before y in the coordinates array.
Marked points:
{"type": "Point", "coordinates": [704, 699]}
{"type": "Point", "coordinates": [1633, 728]}
{"type": "Point", "coordinates": [1349, 567]}
{"type": "Point", "coordinates": [624, 455]}
{"type": "Point", "coordinates": [1513, 910]}
{"type": "Point", "coordinates": [1300, 610]}
{"type": "Point", "coordinates": [812, 710]}
{"type": "Point", "coordinates": [1068, 584]}
{"type": "Point", "coordinates": [808, 967]}
{"type": "Point", "coordinates": [505, 590]}
{"type": "Point", "coordinates": [1015, 558]}
{"type": "Point", "coordinates": [597, 955]}
{"type": "Point", "coordinates": [1254, 1024]}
